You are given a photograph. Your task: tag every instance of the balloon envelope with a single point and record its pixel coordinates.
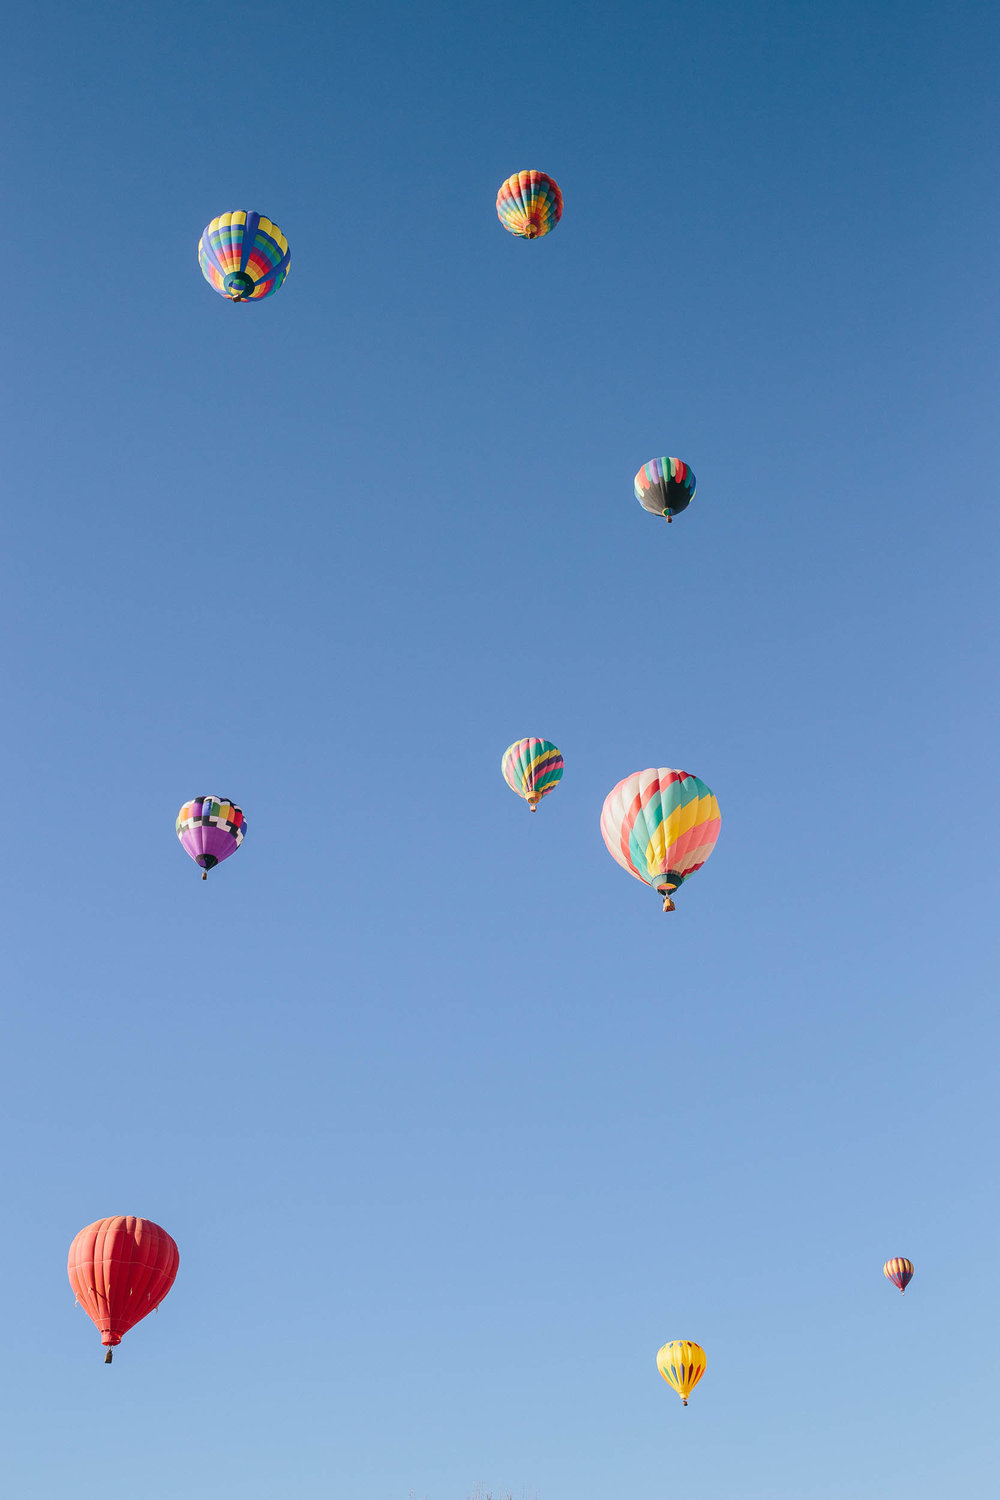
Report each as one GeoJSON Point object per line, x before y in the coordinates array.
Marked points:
{"type": "Point", "coordinates": [532, 768]}
{"type": "Point", "coordinates": [529, 204]}
{"type": "Point", "coordinates": [899, 1270]}
{"type": "Point", "coordinates": [660, 826]}
{"type": "Point", "coordinates": [120, 1269]}
{"type": "Point", "coordinates": [243, 256]}
{"type": "Point", "coordinates": [210, 829]}
{"type": "Point", "coordinates": [682, 1364]}
{"type": "Point", "coordinates": [665, 487]}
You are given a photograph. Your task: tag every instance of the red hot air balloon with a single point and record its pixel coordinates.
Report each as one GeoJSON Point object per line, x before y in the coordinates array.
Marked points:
{"type": "Point", "coordinates": [121, 1269]}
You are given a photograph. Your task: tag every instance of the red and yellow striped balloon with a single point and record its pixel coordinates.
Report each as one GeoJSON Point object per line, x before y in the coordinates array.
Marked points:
{"type": "Point", "coordinates": [899, 1271]}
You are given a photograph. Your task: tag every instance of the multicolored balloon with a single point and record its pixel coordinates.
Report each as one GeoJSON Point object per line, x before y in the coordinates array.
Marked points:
{"type": "Point", "coordinates": [121, 1269]}
{"type": "Point", "coordinates": [529, 204]}
{"type": "Point", "coordinates": [660, 826]}
{"type": "Point", "coordinates": [665, 487]}
{"type": "Point", "coordinates": [243, 256]}
{"type": "Point", "coordinates": [899, 1270]}
{"type": "Point", "coordinates": [532, 768]}
{"type": "Point", "coordinates": [682, 1364]}
{"type": "Point", "coordinates": [211, 829]}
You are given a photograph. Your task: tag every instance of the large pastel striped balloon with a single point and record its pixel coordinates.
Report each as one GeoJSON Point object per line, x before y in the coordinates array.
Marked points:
{"type": "Point", "coordinates": [532, 768]}
{"type": "Point", "coordinates": [899, 1270]}
{"type": "Point", "coordinates": [682, 1364]}
{"type": "Point", "coordinates": [665, 487]}
{"type": "Point", "coordinates": [660, 826]}
{"type": "Point", "coordinates": [529, 204]}
{"type": "Point", "coordinates": [243, 256]}
{"type": "Point", "coordinates": [210, 829]}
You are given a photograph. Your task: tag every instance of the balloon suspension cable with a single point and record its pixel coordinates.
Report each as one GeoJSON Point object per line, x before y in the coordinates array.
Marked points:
{"type": "Point", "coordinates": [107, 1357]}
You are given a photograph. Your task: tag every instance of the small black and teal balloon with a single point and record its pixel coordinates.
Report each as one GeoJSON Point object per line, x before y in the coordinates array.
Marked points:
{"type": "Point", "coordinates": [665, 487]}
{"type": "Point", "coordinates": [243, 256]}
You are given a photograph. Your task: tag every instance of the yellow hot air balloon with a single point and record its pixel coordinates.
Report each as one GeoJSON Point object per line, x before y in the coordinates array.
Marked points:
{"type": "Point", "coordinates": [682, 1364]}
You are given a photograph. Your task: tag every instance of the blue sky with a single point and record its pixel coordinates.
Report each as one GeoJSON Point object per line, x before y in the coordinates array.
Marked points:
{"type": "Point", "coordinates": [452, 1127]}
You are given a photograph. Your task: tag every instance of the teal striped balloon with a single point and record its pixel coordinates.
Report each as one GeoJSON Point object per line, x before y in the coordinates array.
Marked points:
{"type": "Point", "coordinates": [532, 768]}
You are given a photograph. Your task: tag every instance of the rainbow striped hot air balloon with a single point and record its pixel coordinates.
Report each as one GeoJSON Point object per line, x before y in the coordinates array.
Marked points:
{"type": "Point", "coordinates": [665, 487]}
{"type": "Point", "coordinates": [899, 1271]}
{"type": "Point", "coordinates": [660, 826]}
{"type": "Point", "coordinates": [532, 768]}
{"type": "Point", "coordinates": [210, 829]}
{"type": "Point", "coordinates": [529, 204]}
{"type": "Point", "coordinates": [682, 1364]}
{"type": "Point", "coordinates": [243, 256]}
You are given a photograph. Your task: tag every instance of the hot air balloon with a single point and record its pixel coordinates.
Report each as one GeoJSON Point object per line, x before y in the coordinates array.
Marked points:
{"type": "Point", "coordinates": [665, 487]}
{"type": "Point", "coordinates": [211, 829]}
{"type": "Point", "coordinates": [121, 1269]}
{"type": "Point", "coordinates": [899, 1270]}
{"type": "Point", "coordinates": [661, 826]}
{"type": "Point", "coordinates": [243, 256]}
{"type": "Point", "coordinates": [529, 204]}
{"type": "Point", "coordinates": [532, 768]}
{"type": "Point", "coordinates": [682, 1364]}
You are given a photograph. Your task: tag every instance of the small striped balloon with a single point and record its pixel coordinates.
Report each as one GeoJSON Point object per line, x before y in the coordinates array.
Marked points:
{"type": "Point", "coordinates": [529, 204]}
{"type": "Point", "coordinates": [665, 487]}
{"type": "Point", "coordinates": [682, 1364]}
{"type": "Point", "coordinates": [243, 256]}
{"type": "Point", "coordinates": [532, 768]}
{"type": "Point", "coordinates": [899, 1271]}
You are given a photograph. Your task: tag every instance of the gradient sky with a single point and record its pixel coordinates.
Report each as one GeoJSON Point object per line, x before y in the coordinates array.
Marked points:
{"type": "Point", "coordinates": [453, 1128]}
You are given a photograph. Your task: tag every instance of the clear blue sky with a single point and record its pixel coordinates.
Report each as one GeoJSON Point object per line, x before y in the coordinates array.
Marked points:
{"type": "Point", "coordinates": [452, 1126]}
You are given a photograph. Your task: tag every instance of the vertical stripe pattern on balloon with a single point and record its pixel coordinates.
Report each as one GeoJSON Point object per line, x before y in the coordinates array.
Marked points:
{"type": "Point", "coordinates": [899, 1271]}
{"type": "Point", "coordinates": [682, 1364]}
{"type": "Point", "coordinates": [243, 256]}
